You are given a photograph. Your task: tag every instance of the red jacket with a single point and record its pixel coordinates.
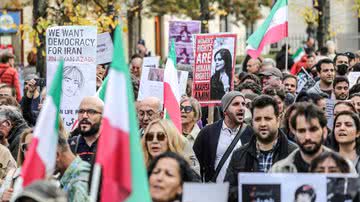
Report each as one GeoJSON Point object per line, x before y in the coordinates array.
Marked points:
{"type": "Point", "coordinates": [10, 76]}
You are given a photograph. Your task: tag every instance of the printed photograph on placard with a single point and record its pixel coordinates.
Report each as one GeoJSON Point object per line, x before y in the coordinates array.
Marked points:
{"type": "Point", "coordinates": [261, 192]}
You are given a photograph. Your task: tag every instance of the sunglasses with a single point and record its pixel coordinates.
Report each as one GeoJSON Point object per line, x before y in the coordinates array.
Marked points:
{"type": "Point", "coordinates": [24, 147]}
{"type": "Point", "coordinates": [159, 136]}
{"type": "Point", "coordinates": [187, 109]}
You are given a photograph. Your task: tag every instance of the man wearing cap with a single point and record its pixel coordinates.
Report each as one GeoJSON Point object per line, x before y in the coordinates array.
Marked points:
{"type": "Point", "coordinates": [215, 143]}
{"type": "Point", "coordinates": [267, 146]}
{"type": "Point", "coordinates": [271, 76]}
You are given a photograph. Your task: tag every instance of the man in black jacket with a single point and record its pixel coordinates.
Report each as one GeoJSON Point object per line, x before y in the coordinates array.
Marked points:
{"type": "Point", "coordinates": [213, 140]}
{"type": "Point", "coordinates": [268, 146]}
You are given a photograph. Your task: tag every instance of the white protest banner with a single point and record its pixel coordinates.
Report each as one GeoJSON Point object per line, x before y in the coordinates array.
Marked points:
{"type": "Point", "coordinates": [214, 67]}
{"type": "Point", "coordinates": [152, 62]}
{"type": "Point", "coordinates": [194, 192]}
{"type": "Point", "coordinates": [105, 48]}
{"type": "Point", "coordinates": [353, 78]}
{"type": "Point", "coordinates": [77, 46]}
{"type": "Point", "coordinates": [151, 83]}
{"type": "Point", "coordinates": [330, 103]}
{"type": "Point", "coordinates": [275, 187]}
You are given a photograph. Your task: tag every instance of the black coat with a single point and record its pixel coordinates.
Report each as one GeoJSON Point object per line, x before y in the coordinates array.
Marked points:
{"type": "Point", "coordinates": [217, 87]}
{"type": "Point", "coordinates": [244, 160]}
{"type": "Point", "coordinates": [205, 147]}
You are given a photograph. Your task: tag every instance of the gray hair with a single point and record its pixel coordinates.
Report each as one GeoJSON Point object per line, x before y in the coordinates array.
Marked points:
{"type": "Point", "coordinates": [13, 114]}
{"type": "Point", "coordinates": [269, 62]}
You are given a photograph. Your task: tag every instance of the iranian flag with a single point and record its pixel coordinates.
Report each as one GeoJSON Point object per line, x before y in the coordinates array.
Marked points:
{"type": "Point", "coordinates": [171, 90]}
{"type": "Point", "coordinates": [272, 30]}
{"type": "Point", "coordinates": [119, 156]}
{"type": "Point", "coordinates": [40, 159]}
{"type": "Point", "coordinates": [298, 54]}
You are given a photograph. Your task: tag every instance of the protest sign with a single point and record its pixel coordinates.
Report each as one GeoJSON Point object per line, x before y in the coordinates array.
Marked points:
{"type": "Point", "coordinates": [194, 192]}
{"type": "Point", "coordinates": [342, 187]}
{"type": "Point", "coordinates": [105, 48]}
{"type": "Point", "coordinates": [152, 83]}
{"type": "Point", "coordinates": [214, 67]}
{"type": "Point", "coordinates": [276, 187]}
{"type": "Point", "coordinates": [353, 78]}
{"type": "Point", "coordinates": [329, 110]}
{"type": "Point", "coordinates": [152, 62]}
{"type": "Point", "coordinates": [77, 46]}
{"type": "Point", "coordinates": [305, 81]}
{"type": "Point", "coordinates": [182, 33]}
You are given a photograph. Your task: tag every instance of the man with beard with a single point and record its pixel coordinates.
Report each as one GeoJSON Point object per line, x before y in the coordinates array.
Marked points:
{"type": "Point", "coordinates": [341, 88]}
{"type": "Point", "coordinates": [267, 146]}
{"type": "Point", "coordinates": [89, 117]}
{"type": "Point", "coordinates": [309, 123]}
{"type": "Point", "coordinates": [74, 172]}
{"type": "Point", "coordinates": [326, 71]}
{"type": "Point", "coordinates": [216, 142]}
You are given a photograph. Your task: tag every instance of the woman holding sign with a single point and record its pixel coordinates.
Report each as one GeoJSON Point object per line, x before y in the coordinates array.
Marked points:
{"type": "Point", "coordinates": [221, 79]}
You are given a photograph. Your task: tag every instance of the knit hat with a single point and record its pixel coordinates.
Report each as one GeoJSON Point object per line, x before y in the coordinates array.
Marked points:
{"type": "Point", "coordinates": [228, 98]}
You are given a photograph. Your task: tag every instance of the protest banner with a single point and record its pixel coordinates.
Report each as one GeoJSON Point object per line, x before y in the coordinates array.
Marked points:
{"type": "Point", "coordinates": [77, 46]}
{"type": "Point", "coordinates": [329, 110]}
{"type": "Point", "coordinates": [151, 83]}
{"type": "Point", "coordinates": [353, 78]}
{"type": "Point", "coordinates": [152, 62]}
{"type": "Point", "coordinates": [194, 192]}
{"type": "Point", "coordinates": [182, 33]}
{"type": "Point", "coordinates": [105, 48]}
{"type": "Point", "coordinates": [342, 187]}
{"type": "Point", "coordinates": [305, 81]}
{"type": "Point", "coordinates": [276, 187]}
{"type": "Point", "coordinates": [214, 67]}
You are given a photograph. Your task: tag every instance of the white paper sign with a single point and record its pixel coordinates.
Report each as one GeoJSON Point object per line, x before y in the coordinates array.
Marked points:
{"type": "Point", "coordinates": [281, 187]}
{"type": "Point", "coordinates": [77, 46]}
{"type": "Point", "coordinates": [330, 112]}
{"type": "Point", "coordinates": [151, 83]}
{"type": "Point", "coordinates": [200, 192]}
{"type": "Point", "coordinates": [105, 48]}
{"type": "Point", "coordinates": [152, 62]}
{"type": "Point", "coordinates": [353, 77]}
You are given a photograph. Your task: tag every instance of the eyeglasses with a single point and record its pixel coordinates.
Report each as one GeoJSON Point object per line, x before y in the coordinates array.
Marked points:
{"type": "Point", "coordinates": [24, 147]}
{"type": "Point", "coordinates": [90, 112]}
{"type": "Point", "coordinates": [159, 136]}
{"type": "Point", "coordinates": [187, 109]}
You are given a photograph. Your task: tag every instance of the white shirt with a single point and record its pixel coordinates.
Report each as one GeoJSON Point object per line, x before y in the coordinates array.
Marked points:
{"type": "Point", "coordinates": [226, 137]}
{"type": "Point", "coordinates": [225, 80]}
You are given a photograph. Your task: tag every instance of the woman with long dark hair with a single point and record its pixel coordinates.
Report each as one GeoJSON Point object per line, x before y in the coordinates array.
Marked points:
{"type": "Point", "coordinates": [221, 79]}
{"type": "Point", "coordinates": [346, 133]}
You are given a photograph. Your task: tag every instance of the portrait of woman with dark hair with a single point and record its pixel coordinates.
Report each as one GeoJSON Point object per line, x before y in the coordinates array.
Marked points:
{"type": "Point", "coordinates": [184, 34]}
{"type": "Point", "coordinates": [221, 79]}
{"type": "Point", "coordinates": [184, 57]}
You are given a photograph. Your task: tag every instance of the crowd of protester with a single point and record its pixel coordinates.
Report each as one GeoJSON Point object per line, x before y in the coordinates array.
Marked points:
{"type": "Point", "coordinates": [266, 124]}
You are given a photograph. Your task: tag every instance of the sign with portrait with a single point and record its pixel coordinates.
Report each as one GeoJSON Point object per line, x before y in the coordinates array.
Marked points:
{"type": "Point", "coordinates": [276, 187]}
{"type": "Point", "coordinates": [77, 45]}
{"type": "Point", "coordinates": [213, 73]}
{"type": "Point", "coordinates": [182, 33]}
{"type": "Point", "coordinates": [152, 83]}
{"type": "Point", "coordinates": [305, 81]}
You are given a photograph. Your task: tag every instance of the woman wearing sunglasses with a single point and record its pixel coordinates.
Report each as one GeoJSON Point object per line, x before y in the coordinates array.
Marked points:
{"type": "Point", "coordinates": [190, 114]}
{"type": "Point", "coordinates": [161, 136]}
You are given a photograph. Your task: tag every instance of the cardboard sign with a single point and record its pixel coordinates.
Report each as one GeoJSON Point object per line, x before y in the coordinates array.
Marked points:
{"type": "Point", "coordinates": [353, 78]}
{"type": "Point", "coordinates": [278, 187]}
{"type": "Point", "coordinates": [151, 62]}
{"type": "Point", "coordinates": [76, 45]}
{"type": "Point", "coordinates": [214, 67]}
{"type": "Point", "coordinates": [200, 192]}
{"type": "Point", "coordinates": [182, 33]}
{"type": "Point", "coordinates": [152, 83]}
{"type": "Point", "coordinates": [105, 48]}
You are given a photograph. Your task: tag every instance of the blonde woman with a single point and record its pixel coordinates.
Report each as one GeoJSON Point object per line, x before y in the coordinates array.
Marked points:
{"type": "Point", "coordinates": [161, 136]}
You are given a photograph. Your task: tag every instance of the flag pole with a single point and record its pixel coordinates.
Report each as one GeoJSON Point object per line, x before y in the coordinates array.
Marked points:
{"type": "Point", "coordinates": [95, 183]}
{"type": "Point", "coordinates": [287, 40]}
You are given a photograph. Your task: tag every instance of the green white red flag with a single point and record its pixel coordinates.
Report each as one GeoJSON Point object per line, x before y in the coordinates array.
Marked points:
{"type": "Point", "coordinates": [272, 30]}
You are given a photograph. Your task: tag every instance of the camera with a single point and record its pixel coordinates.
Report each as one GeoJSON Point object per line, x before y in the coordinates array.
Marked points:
{"type": "Point", "coordinates": [41, 82]}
